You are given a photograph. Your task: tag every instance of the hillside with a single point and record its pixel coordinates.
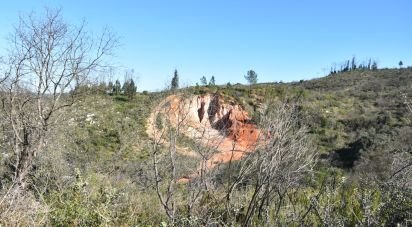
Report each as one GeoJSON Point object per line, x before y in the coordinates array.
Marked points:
{"type": "Point", "coordinates": [115, 157]}
{"type": "Point", "coordinates": [348, 113]}
{"type": "Point", "coordinates": [367, 115]}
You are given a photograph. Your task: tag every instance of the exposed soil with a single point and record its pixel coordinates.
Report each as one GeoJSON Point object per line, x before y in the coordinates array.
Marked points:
{"type": "Point", "coordinates": [208, 119]}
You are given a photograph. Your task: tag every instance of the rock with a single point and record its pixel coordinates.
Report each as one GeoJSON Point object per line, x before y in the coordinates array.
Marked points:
{"type": "Point", "coordinates": [201, 109]}
{"type": "Point", "coordinates": [230, 119]}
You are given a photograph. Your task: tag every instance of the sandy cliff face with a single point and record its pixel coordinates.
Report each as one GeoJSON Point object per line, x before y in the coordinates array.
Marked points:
{"type": "Point", "coordinates": [209, 119]}
{"type": "Point", "coordinates": [228, 118]}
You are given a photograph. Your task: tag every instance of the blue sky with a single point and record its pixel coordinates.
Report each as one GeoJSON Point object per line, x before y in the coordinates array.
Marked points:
{"type": "Point", "coordinates": [280, 40]}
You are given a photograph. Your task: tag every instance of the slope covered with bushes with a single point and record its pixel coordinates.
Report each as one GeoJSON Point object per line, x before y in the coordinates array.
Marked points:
{"type": "Point", "coordinates": [98, 166]}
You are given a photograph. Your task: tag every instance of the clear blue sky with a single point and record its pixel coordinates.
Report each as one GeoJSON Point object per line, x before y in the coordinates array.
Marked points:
{"type": "Point", "coordinates": [281, 40]}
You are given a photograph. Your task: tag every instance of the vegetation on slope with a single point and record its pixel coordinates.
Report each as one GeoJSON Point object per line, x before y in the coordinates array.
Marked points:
{"type": "Point", "coordinates": [336, 150]}
{"type": "Point", "coordinates": [98, 169]}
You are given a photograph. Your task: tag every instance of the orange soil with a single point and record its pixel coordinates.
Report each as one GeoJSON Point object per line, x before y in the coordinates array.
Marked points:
{"type": "Point", "coordinates": [215, 123]}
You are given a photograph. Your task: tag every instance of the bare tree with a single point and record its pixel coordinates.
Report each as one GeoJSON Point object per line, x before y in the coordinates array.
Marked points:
{"type": "Point", "coordinates": [284, 156]}
{"type": "Point", "coordinates": [47, 64]}
{"type": "Point", "coordinates": [275, 168]}
{"type": "Point", "coordinates": [168, 123]}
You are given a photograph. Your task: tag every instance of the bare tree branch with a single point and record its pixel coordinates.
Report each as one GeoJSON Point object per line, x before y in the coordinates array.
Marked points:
{"type": "Point", "coordinates": [43, 74]}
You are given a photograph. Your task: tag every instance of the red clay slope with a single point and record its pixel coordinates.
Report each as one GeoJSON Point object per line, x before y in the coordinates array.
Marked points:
{"type": "Point", "coordinates": [215, 123]}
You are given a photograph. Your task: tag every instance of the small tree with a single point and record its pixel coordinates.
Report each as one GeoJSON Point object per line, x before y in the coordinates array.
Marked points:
{"type": "Point", "coordinates": [125, 86]}
{"type": "Point", "coordinates": [276, 167]}
{"type": "Point", "coordinates": [203, 81]}
{"type": "Point", "coordinates": [117, 87]}
{"type": "Point", "coordinates": [175, 81]}
{"type": "Point", "coordinates": [374, 65]}
{"type": "Point", "coordinates": [353, 64]}
{"type": "Point", "coordinates": [400, 64]}
{"type": "Point", "coordinates": [49, 61]}
{"type": "Point", "coordinates": [212, 81]}
{"type": "Point", "coordinates": [170, 120]}
{"type": "Point", "coordinates": [251, 77]}
{"type": "Point", "coordinates": [129, 88]}
{"type": "Point", "coordinates": [110, 87]}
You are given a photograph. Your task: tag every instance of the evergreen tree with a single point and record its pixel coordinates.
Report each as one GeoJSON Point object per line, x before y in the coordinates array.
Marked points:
{"type": "Point", "coordinates": [117, 87]}
{"type": "Point", "coordinates": [400, 64]}
{"type": "Point", "coordinates": [130, 88]}
{"type": "Point", "coordinates": [175, 81]}
{"type": "Point", "coordinates": [374, 65]}
{"type": "Point", "coordinates": [346, 66]}
{"type": "Point", "coordinates": [212, 81]}
{"type": "Point", "coordinates": [110, 87]}
{"type": "Point", "coordinates": [203, 81]}
{"type": "Point", "coordinates": [353, 64]}
{"type": "Point", "coordinates": [251, 77]}
{"type": "Point", "coordinates": [125, 86]}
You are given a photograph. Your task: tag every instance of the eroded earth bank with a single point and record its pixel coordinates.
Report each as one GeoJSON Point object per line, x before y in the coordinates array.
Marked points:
{"type": "Point", "coordinates": [224, 129]}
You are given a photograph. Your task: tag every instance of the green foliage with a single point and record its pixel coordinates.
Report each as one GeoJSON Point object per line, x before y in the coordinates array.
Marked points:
{"type": "Point", "coordinates": [110, 87]}
{"type": "Point", "coordinates": [175, 81]}
{"type": "Point", "coordinates": [129, 88]}
{"type": "Point", "coordinates": [203, 81]}
{"type": "Point", "coordinates": [398, 207]}
{"type": "Point", "coordinates": [356, 118]}
{"type": "Point", "coordinates": [251, 77]}
{"type": "Point", "coordinates": [75, 205]}
{"type": "Point", "coordinates": [117, 88]}
{"type": "Point", "coordinates": [212, 81]}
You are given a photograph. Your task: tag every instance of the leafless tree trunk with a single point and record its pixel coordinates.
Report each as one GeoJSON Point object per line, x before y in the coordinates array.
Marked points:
{"type": "Point", "coordinates": [168, 122]}
{"type": "Point", "coordinates": [47, 63]}
{"type": "Point", "coordinates": [283, 158]}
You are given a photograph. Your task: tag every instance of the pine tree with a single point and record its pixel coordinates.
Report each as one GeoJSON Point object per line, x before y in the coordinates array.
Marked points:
{"type": "Point", "coordinates": [175, 81]}
{"type": "Point", "coordinates": [203, 81]}
{"type": "Point", "coordinates": [125, 86]}
{"type": "Point", "coordinates": [130, 89]}
{"type": "Point", "coordinates": [212, 81]}
{"type": "Point", "coordinates": [251, 77]}
{"type": "Point", "coordinates": [374, 65]}
{"type": "Point", "coordinates": [353, 64]}
{"type": "Point", "coordinates": [110, 87]}
{"type": "Point", "coordinates": [117, 87]}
